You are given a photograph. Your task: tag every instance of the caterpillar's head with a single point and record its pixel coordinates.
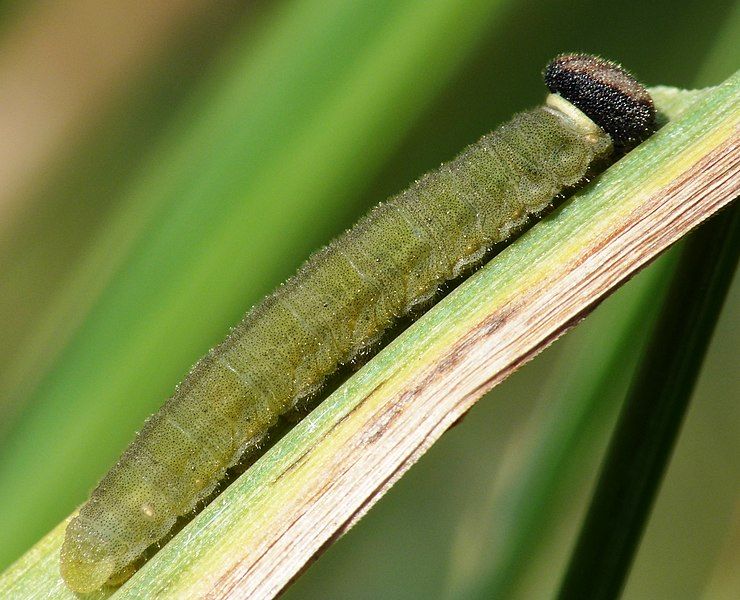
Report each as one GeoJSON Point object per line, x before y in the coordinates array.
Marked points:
{"type": "Point", "coordinates": [605, 93]}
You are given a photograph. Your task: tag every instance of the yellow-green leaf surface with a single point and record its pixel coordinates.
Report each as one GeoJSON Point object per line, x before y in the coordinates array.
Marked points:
{"type": "Point", "coordinates": [247, 520]}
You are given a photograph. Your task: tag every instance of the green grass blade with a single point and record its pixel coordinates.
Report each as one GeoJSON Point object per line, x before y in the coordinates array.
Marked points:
{"type": "Point", "coordinates": [550, 447]}
{"type": "Point", "coordinates": [346, 451]}
{"type": "Point", "coordinates": [200, 217]}
{"type": "Point", "coordinates": [74, 199]}
{"type": "Point", "coordinates": [651, 419]}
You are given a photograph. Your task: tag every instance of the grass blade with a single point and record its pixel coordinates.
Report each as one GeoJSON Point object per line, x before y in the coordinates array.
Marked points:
{"type": "Point", "coordinates": [256, 536]}
{"type": "Point", "coordinates": [652, 416]}
{"type": "Point", "coordinates": [560, 432]}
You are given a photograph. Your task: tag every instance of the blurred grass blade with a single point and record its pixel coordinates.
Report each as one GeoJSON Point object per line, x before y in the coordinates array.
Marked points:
{"type": "Point", "coordinates": [75, 194]}
{"type": "Point", "coordinates": [289, 127]}
{"type": "Point", "coordinates": [651, 419]}
{"type": "Point", "coordinates": [560, 435]}
{"type": "Point", "coordinates": [723, 57]}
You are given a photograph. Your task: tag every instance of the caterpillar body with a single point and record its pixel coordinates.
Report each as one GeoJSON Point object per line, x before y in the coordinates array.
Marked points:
{"type": "Point", "coordinates": [341, 300]}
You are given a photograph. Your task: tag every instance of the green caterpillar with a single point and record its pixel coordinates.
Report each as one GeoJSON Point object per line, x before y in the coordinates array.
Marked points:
{"type": "Point", "coordinates": [342, 300]}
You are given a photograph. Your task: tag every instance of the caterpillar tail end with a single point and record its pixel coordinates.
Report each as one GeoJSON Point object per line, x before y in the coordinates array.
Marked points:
{"type": "Point", "coordinates": [83, 569]}
{"type": "Point", "coordinates": [82, 575]}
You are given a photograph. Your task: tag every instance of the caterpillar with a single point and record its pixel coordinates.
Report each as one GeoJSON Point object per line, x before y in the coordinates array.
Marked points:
{"type": "Point", "coordinates": [393, 261]}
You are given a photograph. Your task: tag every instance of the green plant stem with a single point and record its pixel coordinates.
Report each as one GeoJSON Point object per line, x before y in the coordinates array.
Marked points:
{"type": "Point", "coordinates": [589, 400]}
{"type": "Point", "coordinates": [260, 532]}
{"type": "Point", "coordinates": [651, 419]}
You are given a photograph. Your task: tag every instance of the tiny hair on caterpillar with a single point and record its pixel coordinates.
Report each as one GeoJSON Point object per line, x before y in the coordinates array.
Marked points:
{"type": "Point", "coordinates": [392, 263]}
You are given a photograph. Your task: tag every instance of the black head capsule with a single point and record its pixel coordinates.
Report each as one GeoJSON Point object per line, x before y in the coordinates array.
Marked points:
{"type": "Point", "coordinates": [605, 93]}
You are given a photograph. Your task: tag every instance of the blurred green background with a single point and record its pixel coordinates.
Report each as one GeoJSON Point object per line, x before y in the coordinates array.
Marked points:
{"type": "Point", "coordinates": [165, 164]}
